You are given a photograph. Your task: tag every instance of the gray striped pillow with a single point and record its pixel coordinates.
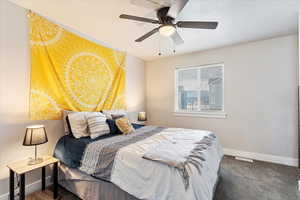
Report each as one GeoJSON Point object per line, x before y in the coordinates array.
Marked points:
{"type": "Point", "coordinates": [109, 113]}
{"type": "Point", "coordinates": [97, 124]}
{"type": "Point", "coordinates": [78, 124]}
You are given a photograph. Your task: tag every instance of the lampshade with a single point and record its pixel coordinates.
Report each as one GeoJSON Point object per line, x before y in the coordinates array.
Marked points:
{"type": "Point", "coordinates": [142, 116]}
{"type": "Point", "coordinates": [35, 135]}
{"type": "Point", "coordinates": [167, 30]}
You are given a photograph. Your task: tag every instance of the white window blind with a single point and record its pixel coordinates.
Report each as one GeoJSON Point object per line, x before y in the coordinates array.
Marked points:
{"type": "Point", "coordinates": [200, 89]}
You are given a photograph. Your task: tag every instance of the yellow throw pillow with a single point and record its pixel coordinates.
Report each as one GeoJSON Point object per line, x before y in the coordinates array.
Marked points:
{"type": "Point", "coordinates": [124, 125]}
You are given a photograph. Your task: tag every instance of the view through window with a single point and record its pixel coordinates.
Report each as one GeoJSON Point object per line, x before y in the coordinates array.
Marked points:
{"type": "Point", "coordinates": [200, 89]}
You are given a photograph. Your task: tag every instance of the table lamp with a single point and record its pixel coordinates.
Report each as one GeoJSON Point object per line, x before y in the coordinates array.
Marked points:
{"type": "Point", "coordinates": [142, 116]}
{"type": "Point", "coordinates": [35, 135]}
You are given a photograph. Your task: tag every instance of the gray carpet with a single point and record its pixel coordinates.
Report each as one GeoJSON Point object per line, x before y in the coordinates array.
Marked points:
{"type": "Point", "coordinates": [257, 181]}
{"type": "Point", "coordinates": [250, 181]}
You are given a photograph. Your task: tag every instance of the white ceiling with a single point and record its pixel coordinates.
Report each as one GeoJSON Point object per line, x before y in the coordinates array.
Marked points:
{"type": "Point", "coordinates": [239, 21]}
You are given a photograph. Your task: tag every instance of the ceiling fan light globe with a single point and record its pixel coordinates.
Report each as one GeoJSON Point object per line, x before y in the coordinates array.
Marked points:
{"type": "Point", "coordinates": [167, 30]}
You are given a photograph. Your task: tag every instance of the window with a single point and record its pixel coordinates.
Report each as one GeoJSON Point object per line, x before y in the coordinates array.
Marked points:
{"type": "Point", "coordinates": [200, 90]}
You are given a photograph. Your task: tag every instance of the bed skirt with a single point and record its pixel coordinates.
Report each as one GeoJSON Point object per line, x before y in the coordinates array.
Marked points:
{"type": "Point", "coordinates": [87, 187]}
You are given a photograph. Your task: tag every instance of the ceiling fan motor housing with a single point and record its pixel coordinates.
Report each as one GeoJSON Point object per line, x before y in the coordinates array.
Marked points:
{"type": "Point", "coordinates": [162, 15]}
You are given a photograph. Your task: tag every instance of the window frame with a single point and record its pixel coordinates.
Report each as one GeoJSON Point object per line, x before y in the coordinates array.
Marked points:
{"type": "Point", "coordinates": [206, 114]}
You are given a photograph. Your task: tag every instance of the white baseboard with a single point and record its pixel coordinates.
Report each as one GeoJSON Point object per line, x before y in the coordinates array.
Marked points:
{"type": "Point", "coordinates": [30, 188]}
{"type": "Point", "coordinates": [244, 159]}
{"type": "Point", "coordinates": [262, 157]}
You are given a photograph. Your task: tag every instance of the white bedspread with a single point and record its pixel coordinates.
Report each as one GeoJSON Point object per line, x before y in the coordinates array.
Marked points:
{"type": "Point", "coordinates": [146, 179]}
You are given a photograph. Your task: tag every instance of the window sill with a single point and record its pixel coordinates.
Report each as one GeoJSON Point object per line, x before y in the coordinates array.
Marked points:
{"type": "Point", "coordinates": [219, 115]}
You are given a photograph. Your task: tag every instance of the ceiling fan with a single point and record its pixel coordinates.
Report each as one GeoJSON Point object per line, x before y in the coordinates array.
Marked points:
{"type": "Point", "coordinates": [166, 21]}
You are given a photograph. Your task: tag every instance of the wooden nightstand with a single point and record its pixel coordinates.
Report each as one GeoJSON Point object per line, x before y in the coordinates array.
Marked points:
{"type": "Point", "coordinates": [22, 167]}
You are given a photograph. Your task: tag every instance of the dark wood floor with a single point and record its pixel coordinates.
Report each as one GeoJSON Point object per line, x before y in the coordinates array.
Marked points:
{"type": "Point", "coordinates": [48, 195]}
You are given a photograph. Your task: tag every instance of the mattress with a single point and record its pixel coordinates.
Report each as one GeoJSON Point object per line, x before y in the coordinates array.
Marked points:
{"type": "Point", "coordinates": [89, 188]}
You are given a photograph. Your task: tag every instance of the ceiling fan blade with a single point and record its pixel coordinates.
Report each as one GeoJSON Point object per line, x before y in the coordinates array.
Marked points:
{"type": "Point", "coordinates": [140, 39]}
{"type": "Point", "coordinates": [141, 19]}
{"type": "Point", "coordinates": [177, 39]}
{"type": "Point", "coordinates": [195, 24]}
{"type": "Point", "coordinates": [176, 7]}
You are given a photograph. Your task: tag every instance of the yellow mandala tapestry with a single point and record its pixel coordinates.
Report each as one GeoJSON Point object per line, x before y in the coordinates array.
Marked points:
{"type": "Point", "coordinates": [71, 73]}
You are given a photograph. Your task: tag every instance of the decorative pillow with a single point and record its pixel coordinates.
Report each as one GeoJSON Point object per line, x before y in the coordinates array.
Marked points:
{"type": "Point", "coordinates": [64, 117]}
{"type": "Point", "coordinates": [109, 113]}
{"type": "Point", "coordinates": [113, 116]}
{"type": "Point", "coordinates": [97, 124]}
{"type": "Point", "coordinates": [113, 127]}
{"type": "Point", "coordinates": [124, 125]}
{"type": "Point", "coordinates": [69, 126]}
{"type": "Point", "coordinates": [78, 123]}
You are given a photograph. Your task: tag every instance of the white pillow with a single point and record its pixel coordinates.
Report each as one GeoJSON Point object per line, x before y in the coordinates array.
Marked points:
{"type": "Point", "coordinates": [78, 124]}
{"type": "Point", "coordinates": [97, 124]}
{"type": "Point", "coordinates": [109, 113]}
{"type": "Point", "coordinates": [64, 116]}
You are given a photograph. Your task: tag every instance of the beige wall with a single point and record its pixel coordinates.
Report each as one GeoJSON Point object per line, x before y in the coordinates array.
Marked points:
{"type": "Point", "coordinates": [135, 82]}
{"type": "Point", "coordinates": [14, 90]}
{"type": "Point", "coordinates": [260, 95]}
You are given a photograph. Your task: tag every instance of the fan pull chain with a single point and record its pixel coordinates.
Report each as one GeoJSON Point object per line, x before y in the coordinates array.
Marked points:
{"type": "Point", "coordinates": [174, 50]}
{"type": "Point", "coordinates": [159, 47]}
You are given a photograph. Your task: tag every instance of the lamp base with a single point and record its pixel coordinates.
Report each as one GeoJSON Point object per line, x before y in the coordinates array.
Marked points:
{"type": "Point", "coordinates": [35, 161]}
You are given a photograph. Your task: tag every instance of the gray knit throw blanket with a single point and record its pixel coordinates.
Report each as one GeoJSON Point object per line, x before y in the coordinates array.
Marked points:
{"type": "Point", "coordinates": [184, 165]}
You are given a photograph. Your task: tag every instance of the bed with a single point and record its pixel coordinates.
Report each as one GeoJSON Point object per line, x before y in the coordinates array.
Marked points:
{"type": "Point", "coordinates": [154, 163]}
